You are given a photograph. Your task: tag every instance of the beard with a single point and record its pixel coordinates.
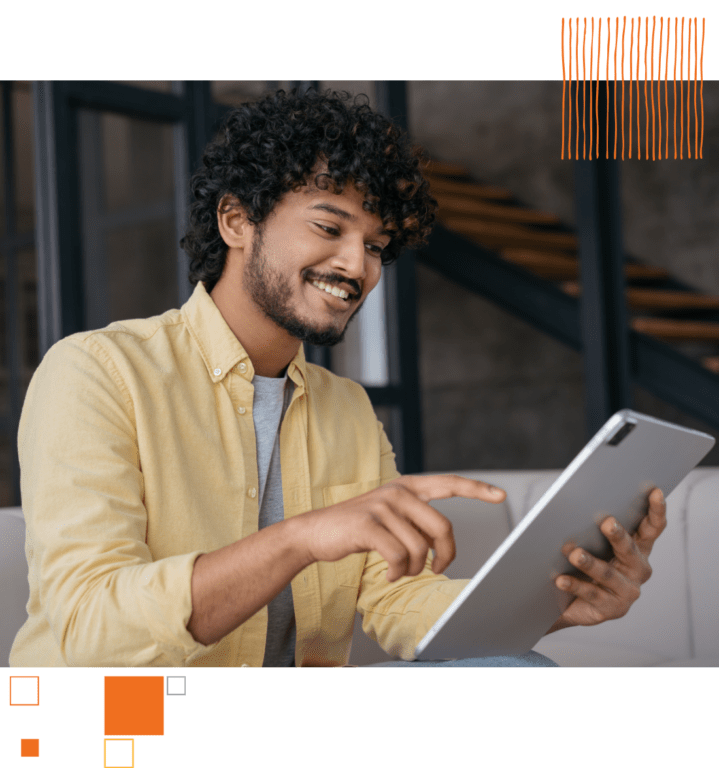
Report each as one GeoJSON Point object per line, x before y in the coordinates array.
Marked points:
{"type": "Point", "coordinates": [272, 293]}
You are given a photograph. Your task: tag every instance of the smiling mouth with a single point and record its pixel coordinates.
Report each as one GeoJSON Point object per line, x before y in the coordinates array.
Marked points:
{"type": "Point", "coordinates": [332, 290]}
{"type": "Point", "coordinates": [335, 299]}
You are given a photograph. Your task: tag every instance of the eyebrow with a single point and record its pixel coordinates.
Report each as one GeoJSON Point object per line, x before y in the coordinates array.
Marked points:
{"type": "Point", "coordinates": [344, 215]}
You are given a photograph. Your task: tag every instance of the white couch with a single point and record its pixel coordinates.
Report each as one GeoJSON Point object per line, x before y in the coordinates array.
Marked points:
{"type": "Point", "coordinates": [674, 623]}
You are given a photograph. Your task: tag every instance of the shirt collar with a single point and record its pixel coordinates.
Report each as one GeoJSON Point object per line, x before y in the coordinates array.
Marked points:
{"type": "Point", "coordinates": [220, 349]}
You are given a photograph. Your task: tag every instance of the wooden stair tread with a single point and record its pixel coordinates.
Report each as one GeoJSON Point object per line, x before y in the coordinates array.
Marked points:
{"type": "Point", "coordinates": [466, 208]}
{"type": "Point", "coordinates": [439, 168]}
{"type": "Point", "coordinates": [439, 185]}
{"type": "Point", "coordinates": [556, 265]}
{"type": "Point", "coordinates": [495, 235]}
{"type": "Point", "coordinates": [449, 205]}
{"type": "Point", "coordinates": [678, 330]}
{"type": "Point", "coordinates": [649, 298]}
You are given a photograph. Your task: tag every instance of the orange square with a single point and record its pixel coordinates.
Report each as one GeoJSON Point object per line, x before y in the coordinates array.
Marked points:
{"type": "Point", "coordinates": [134, 706]}
{"type": "Point", "coordinates": [29, 747]}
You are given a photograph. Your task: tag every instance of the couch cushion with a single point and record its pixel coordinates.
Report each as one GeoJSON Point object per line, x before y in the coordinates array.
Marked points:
{"type": "Point", "coordinates": [703, 662]}
{"type": "Point", "coordinates": [581, 653]}
{"type": "Point", "coordinates": [13, 578]}
{"type": "Point", "coordinates": [702, 542]}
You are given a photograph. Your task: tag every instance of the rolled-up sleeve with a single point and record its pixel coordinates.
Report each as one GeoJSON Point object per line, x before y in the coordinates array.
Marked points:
{"type": "Point", "coordinates": [399, 614]}
{"type": "Point", "coordinates": [105, 600]}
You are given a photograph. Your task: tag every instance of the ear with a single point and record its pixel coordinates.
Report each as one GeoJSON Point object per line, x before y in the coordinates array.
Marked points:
{"type": "Point", "coordinates": [235, 229]}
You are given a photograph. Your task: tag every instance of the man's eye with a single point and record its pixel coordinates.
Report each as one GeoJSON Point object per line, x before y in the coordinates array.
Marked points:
{"type": "Point", "coordinates": [333, 231]}
{"type": "Point", "coordinates": [376, 249]}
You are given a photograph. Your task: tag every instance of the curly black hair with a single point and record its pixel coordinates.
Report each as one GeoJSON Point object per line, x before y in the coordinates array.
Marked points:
{"type": "Point", "coordinates": [266, 148]}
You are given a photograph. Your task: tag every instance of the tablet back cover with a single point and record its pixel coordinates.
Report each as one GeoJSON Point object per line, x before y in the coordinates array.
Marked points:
{"type": "Point", "coordinates": [512, 601]}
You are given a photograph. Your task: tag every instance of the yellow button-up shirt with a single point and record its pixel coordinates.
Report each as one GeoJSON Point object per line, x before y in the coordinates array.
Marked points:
{"type": "Point", "coordinates": [138, 453]}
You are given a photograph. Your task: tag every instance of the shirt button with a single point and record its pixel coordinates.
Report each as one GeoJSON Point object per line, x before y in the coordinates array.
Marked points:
{"type": "Point", "coordinates": [242, 409]}
{"type": "Point", "coordinates": [242, 367]}
{"type": "Point", "coordinates": [252, 493]}
{"type": "Point", "coordinates": [218, 371]}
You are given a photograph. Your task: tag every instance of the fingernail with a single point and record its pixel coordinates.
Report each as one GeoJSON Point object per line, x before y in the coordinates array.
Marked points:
{"type": "Point", "coordinates": [615, 527]}
{"type": "Point", "coordinates": [582, 559]}
{"type": "Point", "coordinates": [563, 582]}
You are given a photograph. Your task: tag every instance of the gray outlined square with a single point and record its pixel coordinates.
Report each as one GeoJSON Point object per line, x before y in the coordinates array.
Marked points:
{"type": "Point", "coordinates": [175, 686]}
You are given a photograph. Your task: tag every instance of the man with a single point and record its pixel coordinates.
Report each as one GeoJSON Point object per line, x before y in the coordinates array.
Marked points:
{"type": "Point", "coordinates": [195, 492]}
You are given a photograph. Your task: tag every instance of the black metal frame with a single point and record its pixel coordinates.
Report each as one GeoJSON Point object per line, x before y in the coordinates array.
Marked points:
{"type": "Point", "coordinates": [603, 293]}
{"type": "Point", "coordinates": [657, 367]}
{"type": "Point", "coordinates": [191, 109]}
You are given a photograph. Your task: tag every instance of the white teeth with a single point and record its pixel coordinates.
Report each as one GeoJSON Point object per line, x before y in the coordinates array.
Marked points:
{"type": "Point", "coordinates": [329, 289]}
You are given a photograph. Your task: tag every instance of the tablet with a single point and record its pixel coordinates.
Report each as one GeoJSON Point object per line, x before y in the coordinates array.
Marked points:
{"type": "Point", "coordinates": [512, 600]}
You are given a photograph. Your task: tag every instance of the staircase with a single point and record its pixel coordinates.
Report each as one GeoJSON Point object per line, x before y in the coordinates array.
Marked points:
{"type": "Point", "coordinates": [536, 241]}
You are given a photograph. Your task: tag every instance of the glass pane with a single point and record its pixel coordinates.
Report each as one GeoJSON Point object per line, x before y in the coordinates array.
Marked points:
{"type": "Point", "coordinates": [26, 323]}
{"type": "Point", "coordinates": [236, 92]}
{"type": "Point", "coordinates": [23, 157]}
{"type": "Point", "coordinates": [164, 86]}
{"type": "Point", "coordinates": [25, 334]}
{"type": "Point", "coordinates": [27, 315]}
{"type": "Point", "coordinates": [363, 355]}
{"type": "Point", "coordinates": [128, 211]}
{"type": "Point", "coordinates": [3, 180]}
{"type": "Point", "coordinates": [5, 441]}
{"type": "Point", "coordinates": [16, 178]}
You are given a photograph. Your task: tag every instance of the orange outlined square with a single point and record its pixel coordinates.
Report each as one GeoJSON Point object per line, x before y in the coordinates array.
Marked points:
{"type": "Point", "coordinates": [119, 753]}
{"type": "Point", "coordinates": [11, 703]}
{"type": "Point", "coordinates": [131, 764]}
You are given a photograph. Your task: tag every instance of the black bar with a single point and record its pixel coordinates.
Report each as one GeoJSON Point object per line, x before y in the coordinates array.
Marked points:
{"type": "Point", "coordinates": [128, 100]}
{"type": "Point", "coordinates": [57, 195]}
{"type": "Point", "coordinates": [603, 296]}
{"type": "Point", "coordinates": [401, 308]}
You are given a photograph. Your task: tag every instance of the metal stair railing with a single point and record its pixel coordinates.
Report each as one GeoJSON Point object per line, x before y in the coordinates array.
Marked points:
{"type": "Point", "coordinates": [494, 249]}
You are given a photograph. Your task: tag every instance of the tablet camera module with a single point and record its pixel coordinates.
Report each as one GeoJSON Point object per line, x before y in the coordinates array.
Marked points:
{"type": "Point", "coordinates": [621, 433]}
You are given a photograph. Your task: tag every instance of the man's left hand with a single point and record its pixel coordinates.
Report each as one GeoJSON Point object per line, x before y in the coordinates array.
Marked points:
{"type": "Point", "coordinates": [611, 587]}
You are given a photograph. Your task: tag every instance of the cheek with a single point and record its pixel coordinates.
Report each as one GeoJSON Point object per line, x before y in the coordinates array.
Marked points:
{"type": "Point", "coordinates": [373, 272]}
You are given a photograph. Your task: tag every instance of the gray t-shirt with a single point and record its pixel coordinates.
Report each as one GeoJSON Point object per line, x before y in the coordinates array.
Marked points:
{"type": "Point", "coordinates": [271, 400]}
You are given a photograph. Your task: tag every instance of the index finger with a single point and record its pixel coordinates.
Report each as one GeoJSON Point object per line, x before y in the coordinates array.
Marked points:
{"type": "Point", "coordinates": [430, 487]}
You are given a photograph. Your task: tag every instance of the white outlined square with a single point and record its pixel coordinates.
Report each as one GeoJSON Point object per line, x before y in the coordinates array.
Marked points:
{"type": "Point", "coordinates": [119, 753]}
{"type": "Point", "coordinates": [175, 686]}
{"type": "Point", "coordinates": [24, 691]}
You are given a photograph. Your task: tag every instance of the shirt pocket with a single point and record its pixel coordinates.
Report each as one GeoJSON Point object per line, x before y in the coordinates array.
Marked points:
{"type": "Point", "coordinates": [349, 569]}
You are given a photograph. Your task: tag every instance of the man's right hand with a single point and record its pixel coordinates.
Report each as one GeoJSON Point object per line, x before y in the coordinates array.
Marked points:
{"type": "Point", "coordinates": [394, 520]}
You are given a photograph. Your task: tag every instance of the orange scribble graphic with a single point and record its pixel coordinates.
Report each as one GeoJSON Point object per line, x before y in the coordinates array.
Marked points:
{"type": "Point", "coordinates": [655, 110]}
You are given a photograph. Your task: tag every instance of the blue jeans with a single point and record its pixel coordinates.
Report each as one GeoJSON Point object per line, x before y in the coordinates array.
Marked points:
{"type": "Point", "coordinates": [529, 659]}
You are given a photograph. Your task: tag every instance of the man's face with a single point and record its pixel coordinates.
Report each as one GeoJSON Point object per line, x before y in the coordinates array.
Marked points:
{"type": "Point", "coordinates": [315, 244]}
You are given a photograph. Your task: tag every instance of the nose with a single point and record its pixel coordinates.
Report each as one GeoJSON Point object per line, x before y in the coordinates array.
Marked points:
{"type": "Point", "coordinates": [351, 259]}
